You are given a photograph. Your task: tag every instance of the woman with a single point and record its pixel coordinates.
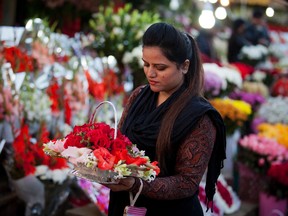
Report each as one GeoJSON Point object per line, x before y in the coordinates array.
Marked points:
{"type": "Point", "coordinates": [236, 41]}
{"type": "Point", "coordinates": [173, 124]}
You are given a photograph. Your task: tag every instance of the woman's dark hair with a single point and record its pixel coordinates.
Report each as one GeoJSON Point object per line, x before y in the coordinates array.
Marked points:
{"type": "Point", "coordinates": [176, 46]}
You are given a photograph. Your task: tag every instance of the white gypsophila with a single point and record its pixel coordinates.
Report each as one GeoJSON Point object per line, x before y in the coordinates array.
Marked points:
{"type": "Point", "coordinates": [274, 110]}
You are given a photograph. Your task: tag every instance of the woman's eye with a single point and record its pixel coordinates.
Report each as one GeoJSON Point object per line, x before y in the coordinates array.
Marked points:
{"type": "Point", "coordinates": [160, 68]}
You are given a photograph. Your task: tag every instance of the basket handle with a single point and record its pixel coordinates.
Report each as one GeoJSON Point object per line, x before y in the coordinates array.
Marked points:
{"type": "Point", "coordinates": [115, 115]}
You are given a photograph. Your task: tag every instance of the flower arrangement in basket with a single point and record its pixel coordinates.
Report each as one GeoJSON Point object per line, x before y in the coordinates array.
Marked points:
{"type": "Point", "coordinates": [102, 154]}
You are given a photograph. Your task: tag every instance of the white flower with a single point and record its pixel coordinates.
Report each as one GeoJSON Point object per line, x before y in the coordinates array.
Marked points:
{"type": "Point", "coordinates": [274, 110]}
{"type": "Point", "coordinates": [228, 75]}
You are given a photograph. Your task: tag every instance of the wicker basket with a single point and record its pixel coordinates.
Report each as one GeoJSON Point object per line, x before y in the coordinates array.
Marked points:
{"type": "Point", "coordinates": [93, 173]}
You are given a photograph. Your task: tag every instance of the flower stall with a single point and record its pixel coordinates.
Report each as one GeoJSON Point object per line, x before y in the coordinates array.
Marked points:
{"type": "Point", "coordinates": [51, 85]}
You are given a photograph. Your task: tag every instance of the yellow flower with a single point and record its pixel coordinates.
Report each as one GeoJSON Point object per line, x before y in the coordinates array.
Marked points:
{"type": "Point", "coordinates": [277, 131]}
{"type": "Point", "coordinates": [233, 112]}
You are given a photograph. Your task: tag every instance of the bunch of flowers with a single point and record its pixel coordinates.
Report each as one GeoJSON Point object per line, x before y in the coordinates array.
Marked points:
{"type": "Point", "coordinates": [108, 87]}
{"type": "Point", "coordinates": [10, 106]}
{"type": "Point", "coordinates": [36, 103]}
{"type": "Point", "coordinates": [18, 59]}
{"type": "Point", "coordinates": [212, 85]}
{"type": "Point", "coordinates": [254, 99]}
{"type": "Point", "coordinates": [233, 112]}
{"type": "Point", "coordinates": [253, 55]}
{"type": "Point", "coordinates": [255, 87]}
{"type": "Point", "coordinates": [100, 156]}
{"type": "Point", "coordinates": [117, 32]}
{"type": "Point", "coordinates": [278, 173]}
{"type": "Point", "coordinates": [76, 100]}
{"type": "Point", "coordinates": [231, 78]}
{"type": "Point", "coordinates": [29, 158]}
{"type": "Point", "coordinates": [41, 54]}
{"type": "Point", "coordinates": [274, 131]}
{"type": "Point", "coordinates": [280, 87]}
{"type": "Point", "coordinates": [259, 152]}
{"type": "Point", "coordinates": [274, 110]}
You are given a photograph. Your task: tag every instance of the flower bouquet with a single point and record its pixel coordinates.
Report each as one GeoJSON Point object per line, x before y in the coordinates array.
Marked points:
{"type": "Point", "coordinates": [102, 154]}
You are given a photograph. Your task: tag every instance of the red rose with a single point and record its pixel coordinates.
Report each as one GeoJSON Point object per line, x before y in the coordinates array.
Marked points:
{"type": "Point", "coordinates": [74, 140]}
{"type": "Point", "coordinates": [105, 159]}
{"type": "Point", "coordinates": [118, 144]}
{"type": "Point", "coordinates": [100, 140]}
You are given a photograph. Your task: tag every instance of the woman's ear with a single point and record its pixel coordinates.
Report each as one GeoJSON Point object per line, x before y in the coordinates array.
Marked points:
{"type": "Point", "coordinates": [185, 66]}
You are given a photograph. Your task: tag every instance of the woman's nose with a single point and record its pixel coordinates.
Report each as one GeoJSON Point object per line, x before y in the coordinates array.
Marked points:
{"type": "Point", "coordinates": [151, 72]}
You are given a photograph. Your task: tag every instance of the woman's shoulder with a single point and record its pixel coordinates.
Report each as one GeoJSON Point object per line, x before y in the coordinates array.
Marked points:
{"type": "Point", "coordinates": [136, 92]}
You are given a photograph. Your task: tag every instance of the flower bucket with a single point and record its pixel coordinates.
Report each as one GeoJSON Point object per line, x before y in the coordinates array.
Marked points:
{"type": "Point", "coordinates": [231, 151]}
{"type": "Point", "coordinates": [251, 184]}
{"type": "Point", "coordinates": [271, 206]}
{"type": "Point", "coordinates": [31, 190]}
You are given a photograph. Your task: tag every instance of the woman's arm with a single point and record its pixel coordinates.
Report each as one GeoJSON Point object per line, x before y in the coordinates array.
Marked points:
{"type": "Point", "coordinates": [192, 160]}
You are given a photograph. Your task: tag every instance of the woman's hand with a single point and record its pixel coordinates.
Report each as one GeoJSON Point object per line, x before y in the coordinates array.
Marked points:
{"type": "Point", "coordinates": [124, 184]}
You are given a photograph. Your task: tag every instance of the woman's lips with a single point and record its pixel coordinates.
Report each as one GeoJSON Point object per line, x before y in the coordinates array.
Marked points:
{"type": "Point", "coordinates": [152, 82]}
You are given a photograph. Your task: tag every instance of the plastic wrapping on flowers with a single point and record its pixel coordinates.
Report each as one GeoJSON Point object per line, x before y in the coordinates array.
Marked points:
{"type": "Point", "coordinates": [98, 156]}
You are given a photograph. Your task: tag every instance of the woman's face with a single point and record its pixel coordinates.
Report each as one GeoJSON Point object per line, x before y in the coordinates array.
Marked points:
{"type": "Point", "coordinates": [163, 75]}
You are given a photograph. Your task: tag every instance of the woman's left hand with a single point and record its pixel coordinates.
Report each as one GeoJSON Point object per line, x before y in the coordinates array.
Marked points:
{"type": "Point", "coordinates": [124, 184]}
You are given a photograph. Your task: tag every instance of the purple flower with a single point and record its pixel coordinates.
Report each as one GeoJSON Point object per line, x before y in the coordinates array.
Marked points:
{"type": "Point", "coordinates": [212, 83]}
{"type": "Point", "coordinates": [255, 122]}
{"type": "Point", "coordinates": [254, 99]}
